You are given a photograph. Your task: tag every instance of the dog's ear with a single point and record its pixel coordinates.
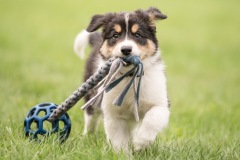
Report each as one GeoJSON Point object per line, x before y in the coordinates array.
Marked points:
{"type": "Point", "coordinates": [155, 14]}
{"type": "Point", "coordinates": [98, 21]}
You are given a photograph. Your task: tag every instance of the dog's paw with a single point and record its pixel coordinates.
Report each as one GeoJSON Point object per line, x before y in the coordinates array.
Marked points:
{"type": "Point", "coordinates": [142, 143]}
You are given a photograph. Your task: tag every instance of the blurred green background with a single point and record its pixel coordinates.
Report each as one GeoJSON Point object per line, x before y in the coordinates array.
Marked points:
{"type": "Point", "coordinates": [199, 43]}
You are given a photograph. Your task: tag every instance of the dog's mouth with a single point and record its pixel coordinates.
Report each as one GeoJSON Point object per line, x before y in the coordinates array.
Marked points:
{"type": "Point", "coordinates": [125, 64]}
{"type": "Point", "coordinates": [130, 60]}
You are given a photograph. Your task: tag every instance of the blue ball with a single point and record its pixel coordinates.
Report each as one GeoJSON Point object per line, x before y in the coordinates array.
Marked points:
{"type": "Point", "coordinates": [36, 124]}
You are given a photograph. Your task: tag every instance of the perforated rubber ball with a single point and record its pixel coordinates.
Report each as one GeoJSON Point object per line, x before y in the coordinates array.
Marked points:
{"type": "Point", "coordinates": [36, 125]}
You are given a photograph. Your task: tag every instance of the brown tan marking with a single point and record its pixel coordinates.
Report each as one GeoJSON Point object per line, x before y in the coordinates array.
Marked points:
{"type": "Point", "coordinates": [135, 28]}
{"type": "Point", "coordinates": [117, 28]}
{"type": "Point", "coordinates": [106, 50]}
{"type": "Point", "coordinates": [148, 50]}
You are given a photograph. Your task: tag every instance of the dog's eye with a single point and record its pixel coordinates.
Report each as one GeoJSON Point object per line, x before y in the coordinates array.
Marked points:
{"type": "Point", "coordinates": [137, 35]}
{"type": "Point", "coordinates": [115, 36]}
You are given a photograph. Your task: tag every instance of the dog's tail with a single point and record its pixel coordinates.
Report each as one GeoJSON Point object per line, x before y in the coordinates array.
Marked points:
{"type": "Point", "coordinates": [83, 39]}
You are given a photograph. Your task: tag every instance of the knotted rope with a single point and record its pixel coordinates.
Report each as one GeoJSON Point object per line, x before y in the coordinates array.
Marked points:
{"type": "Point", "coordinates": [105, 77]}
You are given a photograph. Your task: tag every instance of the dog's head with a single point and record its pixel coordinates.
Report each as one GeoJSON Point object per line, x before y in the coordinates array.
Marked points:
{"type": "Point", "coordinates": [128, 33]}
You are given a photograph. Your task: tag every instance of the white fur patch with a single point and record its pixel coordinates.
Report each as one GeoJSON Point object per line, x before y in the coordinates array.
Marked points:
{"type": "Point", "coordinates": [126, 21]}
{"type": "Point", "coordinates": [80, 43]}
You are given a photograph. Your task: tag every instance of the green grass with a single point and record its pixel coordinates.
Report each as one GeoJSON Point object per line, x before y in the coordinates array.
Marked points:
{"type": "Point", "coordinates": [200, 44]}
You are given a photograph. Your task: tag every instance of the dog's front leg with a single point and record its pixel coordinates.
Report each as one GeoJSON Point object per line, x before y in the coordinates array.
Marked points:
{"type": "Point", "coordinates": [117, 132]}
{"type": "Point", "coordinates": [153, 122]}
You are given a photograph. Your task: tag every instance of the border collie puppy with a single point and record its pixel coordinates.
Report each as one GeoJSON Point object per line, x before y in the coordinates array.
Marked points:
{"type": "Point", "coordinates": [124, 34]}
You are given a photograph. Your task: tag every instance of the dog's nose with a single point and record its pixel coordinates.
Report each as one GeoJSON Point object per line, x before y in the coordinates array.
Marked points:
{"type": "Point", "coordinates": [126, 50]}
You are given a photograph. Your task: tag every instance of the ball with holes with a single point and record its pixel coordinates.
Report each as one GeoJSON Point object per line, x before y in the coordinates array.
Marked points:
{"type": "Point", "coordinates": [37, 126]}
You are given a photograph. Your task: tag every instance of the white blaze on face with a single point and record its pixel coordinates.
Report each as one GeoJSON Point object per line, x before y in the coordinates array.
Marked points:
{"type": "Point", "coordinates": [126, 42]}
{"type": "Point", "coordinates": [126, 21]}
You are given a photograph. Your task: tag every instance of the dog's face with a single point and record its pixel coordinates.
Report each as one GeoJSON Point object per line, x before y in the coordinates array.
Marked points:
{"type": "Point", "coordinates": [128, 33]}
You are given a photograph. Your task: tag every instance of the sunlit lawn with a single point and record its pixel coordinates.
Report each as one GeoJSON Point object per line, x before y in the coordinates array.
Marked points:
{"type": "Point", "coordinates": [200, 46]}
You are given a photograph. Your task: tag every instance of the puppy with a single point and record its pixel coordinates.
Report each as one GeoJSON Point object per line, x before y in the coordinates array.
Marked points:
{"type": "Point", "coordinates": [124, 34]}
